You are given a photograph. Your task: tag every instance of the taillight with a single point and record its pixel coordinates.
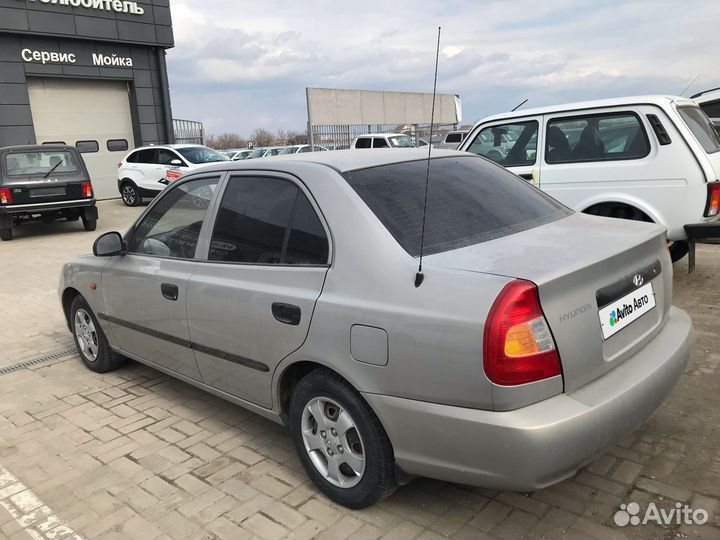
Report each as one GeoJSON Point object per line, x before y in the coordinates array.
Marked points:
{"type": "Point", "coordinates": [5, 196]}
{"type": "Point", "coordinates": [518, 347]}
{"type": "Point", "coordinates": [713, 200]}
{"type": "Point", "coordinates": [87, 190]}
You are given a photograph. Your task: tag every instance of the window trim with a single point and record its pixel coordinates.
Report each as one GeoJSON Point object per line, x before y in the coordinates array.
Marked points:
{"type": "Point", "coordinates": [679, 107]}
{"type": "Point", "coordinates": [503, 122]}
{"type": "Point", "coordinates": [202, 257]}
{"type": "Point", "coordinates": [596, 115]}
{"type": "Point", "coordinates": [203, 241]}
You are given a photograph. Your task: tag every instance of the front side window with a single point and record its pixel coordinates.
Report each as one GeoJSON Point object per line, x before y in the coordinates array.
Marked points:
{"type": "Point", "coordinates": [201, 154]}
{"type": "Point", "coordinates": [701, 127]}
{"type": "Point", "coordinates": [165, 156]}
{"type": "Point", "coordinates": [597, 137]}
{"type": "Point", "coordinates": [40, 163]}
{"type": "Point", "coordinates": [380, 143]}
{"type": "Point", "coordinates": [510, 145]}
{"type": "Point", "coordinates": [267, 221]}
{"type": "Point", "coordinates": [172, 227]}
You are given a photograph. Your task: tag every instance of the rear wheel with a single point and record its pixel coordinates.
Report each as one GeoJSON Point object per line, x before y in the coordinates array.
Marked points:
{"type": "Point", "coordinates": [341, 444]}
{"type": "Point", "coordinates": [91, 343]}
{"type": "Point", "coordinates": [130, 194]}
{"type": "Point", "coordinates": [6, 234]}
{"type": "Point", "coordinates": [678, 250]}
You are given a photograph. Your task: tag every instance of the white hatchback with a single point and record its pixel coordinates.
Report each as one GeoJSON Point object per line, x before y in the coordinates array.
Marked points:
{"type": "Point", "coordinates": [647, 158]}
{"type": "Point", "coordinates": [144, 171]}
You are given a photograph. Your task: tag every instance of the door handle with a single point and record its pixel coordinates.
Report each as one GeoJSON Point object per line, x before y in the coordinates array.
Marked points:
{"type": "Point", "coordinates": [526, 176]}
{"type": "Point", "coordinates": [286, 313]}
{"type": "Point", "coordinates": [169, 291]}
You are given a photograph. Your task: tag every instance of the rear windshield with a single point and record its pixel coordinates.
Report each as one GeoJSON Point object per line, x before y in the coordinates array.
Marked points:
{"type": "Point", "coordinates": [469, 201]}
{"type": "Point", "coordinates": [701, 127]}
{"type": "Point", "coordinates": [40, 162]}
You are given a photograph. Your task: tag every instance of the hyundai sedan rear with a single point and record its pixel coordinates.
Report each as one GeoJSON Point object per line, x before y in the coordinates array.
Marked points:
{"type": "Point", "coordinates": [533, 339]}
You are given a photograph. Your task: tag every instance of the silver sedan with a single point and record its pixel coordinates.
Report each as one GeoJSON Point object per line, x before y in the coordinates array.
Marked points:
{"type": "Point", "coordinates": [532, 340]}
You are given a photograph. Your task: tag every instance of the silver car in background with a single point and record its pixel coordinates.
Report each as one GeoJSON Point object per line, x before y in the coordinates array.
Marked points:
{"type": "Point", "coordinates": [538, 337]}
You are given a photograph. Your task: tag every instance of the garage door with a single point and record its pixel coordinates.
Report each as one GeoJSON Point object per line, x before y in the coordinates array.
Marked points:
{"type": "Point", "coordinates": [94, 113]}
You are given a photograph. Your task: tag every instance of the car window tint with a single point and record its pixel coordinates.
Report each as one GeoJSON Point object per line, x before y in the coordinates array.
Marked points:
{"type": "Point", "coordinates": [468, 201]}
{"type": "Point", "coordinates": [711, 108]}
{"type": "Point", "coordinates": [164, 156]}
{"type": "Point", "coordinates": [307, 243]}
{"type": "Point", "coordinates": [363, 142]}
{"type": "Point", "coordinates": [597, 137]}
{"type": "Point", "coordinates": [454, 138]}
{"type": "Point", "coordinates": [172, 226]}
{"type": "Point", "coordinates": [510, 145]}
{"type": "Point", "coordinates": [701, 127]}
{"type": "Point", "coordinates": [379, 143]}
{"type": "Point", "coordinates": [252, 221]}
{"type": "Point", "coordinates": [147, 156]}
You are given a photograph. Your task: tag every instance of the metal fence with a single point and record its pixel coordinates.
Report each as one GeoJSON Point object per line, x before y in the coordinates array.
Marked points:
{"type": "Point", "coordinates": [188, 131]}
{"type": "Point", "coordinates": [336, 137]}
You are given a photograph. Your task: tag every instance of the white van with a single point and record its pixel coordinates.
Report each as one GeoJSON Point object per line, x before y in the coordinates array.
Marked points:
{"type": "Point", "coordinates": [648, 158]}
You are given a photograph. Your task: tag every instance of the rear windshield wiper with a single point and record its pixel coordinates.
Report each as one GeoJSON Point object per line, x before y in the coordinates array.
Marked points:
{"type": "Point", "coordinates": [51, 170]}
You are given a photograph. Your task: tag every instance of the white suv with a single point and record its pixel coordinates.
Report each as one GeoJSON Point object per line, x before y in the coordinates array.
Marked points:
{"type": "Point", "coordinates": [648, 158]}
{"type": "Point", "coordinates": [144, 171]}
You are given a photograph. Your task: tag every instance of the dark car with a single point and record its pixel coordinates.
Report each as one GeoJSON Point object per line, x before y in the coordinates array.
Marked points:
{"type": "Point", "coordinates": [44, 183]}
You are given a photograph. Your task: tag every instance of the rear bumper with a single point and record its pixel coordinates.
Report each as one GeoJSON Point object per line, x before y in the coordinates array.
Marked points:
{"type": "Point", "coordinates": [707, 230]}
{"type": "Point", "coordinates": [37, 208]}
{"type": "Point", "coordinates": [541, 444]}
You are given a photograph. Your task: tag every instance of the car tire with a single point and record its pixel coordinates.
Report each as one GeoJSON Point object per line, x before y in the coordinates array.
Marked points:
{"type": "Point", "coordinates": [89, 224]}
{"type": "Point", "coordinates": [92, 345]}
{"type": "Point", "coordinates": [6, 235]}
{"type": "Point", "coordinates": [130, 194]}
{"type": "Point", "coordinates": [354, 465]}
{"type": "Point", "coordinates": [678, 250]}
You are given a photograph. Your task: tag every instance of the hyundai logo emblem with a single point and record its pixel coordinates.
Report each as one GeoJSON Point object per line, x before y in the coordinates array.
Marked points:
{"type": "Point", "coordinates": [638, 280]}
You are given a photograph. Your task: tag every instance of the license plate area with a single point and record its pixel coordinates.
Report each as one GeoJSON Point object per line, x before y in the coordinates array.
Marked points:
{"type": "Point", "coordinates": [622, 312]}
{"type": "Point", "coordinates": [47, 192]}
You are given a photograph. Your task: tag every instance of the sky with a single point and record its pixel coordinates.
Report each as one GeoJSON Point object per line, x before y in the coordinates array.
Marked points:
{"type": "Point", "coordinates": [241, 65]}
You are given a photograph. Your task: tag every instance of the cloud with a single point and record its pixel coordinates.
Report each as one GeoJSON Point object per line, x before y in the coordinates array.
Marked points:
{"type": "Point", "coordinates": [241, 66]}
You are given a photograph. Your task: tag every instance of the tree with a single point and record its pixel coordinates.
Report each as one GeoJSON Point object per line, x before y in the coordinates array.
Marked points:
{"type": "Point", "coordinates": [225, 141]}
{"type": "Point", "coordinates": [263, 137]}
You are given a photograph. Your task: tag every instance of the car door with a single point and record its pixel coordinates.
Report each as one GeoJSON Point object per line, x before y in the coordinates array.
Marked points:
{"type": "Point", "coordinates": [145, 290]}
{"type": "Point", "coordinates": [511, 143]}
{"type": "Point", "coordinates": [251, 301]}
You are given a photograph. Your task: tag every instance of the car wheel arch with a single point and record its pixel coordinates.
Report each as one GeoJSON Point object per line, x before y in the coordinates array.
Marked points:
{"type": "Point", "coordinates": [589, 207]}
{"type": "Point", "coordinates": [68, 296]}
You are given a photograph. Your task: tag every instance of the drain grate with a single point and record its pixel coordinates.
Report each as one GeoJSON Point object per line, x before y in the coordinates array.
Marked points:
{"type": "Point", "coordinates": [35, 361]}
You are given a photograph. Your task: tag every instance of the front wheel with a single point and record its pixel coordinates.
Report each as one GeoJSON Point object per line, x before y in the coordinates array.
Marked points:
{"type": "Point", "coordinates": [6, 234]}
{"type": "Point", "coordinates": [678, 250]}
{"type": "Point", "coordinates": [130, 194]}
{"type": "Point", "coordinates": [95, 351]}
{"type": "Point", "coordinates": [342, 445]}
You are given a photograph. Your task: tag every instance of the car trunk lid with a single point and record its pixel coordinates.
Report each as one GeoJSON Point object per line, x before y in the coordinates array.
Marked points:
{"type": "Point", "coordinates": [585, 267]}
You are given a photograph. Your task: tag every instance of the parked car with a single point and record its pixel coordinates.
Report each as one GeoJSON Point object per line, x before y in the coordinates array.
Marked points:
{"type": "Point", "coordinates": [236, 154]}
{"type": "Point", "coordinates": [301, 149]}
{"type": "Point", "coordinates": [44, 183]}
{"type": "Point", "coordinates": [142, 173]}
{"type": "Point", "coordinates": [709, 102]}
{"type": "Point", "coordinates": [538, 337]}
{"type": "Point", "coordinates": [266, 151]}
{"type": "Point", "coordinates": [452, 139]}
{"type": "Point", "coordinates": [647, 158]}
{"type": "Point", "coordinates": [383, 140]}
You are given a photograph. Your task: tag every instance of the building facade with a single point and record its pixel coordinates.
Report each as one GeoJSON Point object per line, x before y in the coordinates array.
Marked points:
{"type": "Point", "coordinates": [91, 72]}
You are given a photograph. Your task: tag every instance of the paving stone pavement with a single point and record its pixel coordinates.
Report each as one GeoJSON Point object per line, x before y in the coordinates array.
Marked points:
{"type": "Point", "coordinates": [136, 454]}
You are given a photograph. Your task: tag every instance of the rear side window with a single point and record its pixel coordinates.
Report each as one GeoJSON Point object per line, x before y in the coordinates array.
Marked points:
{"type": "Point", "coordinates": [267, 221]}
{"type": "Point", "coordinates": [701, 127]}
{"type": "Point", "coordinates": [469, 201]}
{"type": "Point", "coordinates": [510, 145]}
{"type": "Point", "coordinates": [363, 142]}
{"type": "Point", "coordinates": [454, 138]}
{"type": "Point", "coordinates": [143, 156]}
{"type": "Point", "coordinates": [597, 137]}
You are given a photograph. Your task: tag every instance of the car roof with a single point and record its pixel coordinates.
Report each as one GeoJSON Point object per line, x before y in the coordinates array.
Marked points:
{"type": "Point", "coordinates": [340, 160]}
{"type": "Point", "coordinates": [20, 147]}
{"type": "Point", "coordinates": [659, 100]}
{"type": "Point", "coordinates": [381, 135]}
{"type": "Point", "coordinates": [173, 146]}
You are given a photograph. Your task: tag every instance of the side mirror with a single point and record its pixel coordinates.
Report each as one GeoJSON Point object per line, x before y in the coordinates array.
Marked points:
{"type": "Point", "coordinates": [109, 244]}
{"type": "Point", "coordinates": [177, 162]}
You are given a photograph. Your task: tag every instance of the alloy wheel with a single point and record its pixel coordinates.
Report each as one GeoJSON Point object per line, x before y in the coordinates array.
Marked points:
{"type": "Point", "coordinates": [128, 195]}
{"type": "Point", "coordinates": [333, 442]}
{"type": "Point", "coordinates": [86, 335]}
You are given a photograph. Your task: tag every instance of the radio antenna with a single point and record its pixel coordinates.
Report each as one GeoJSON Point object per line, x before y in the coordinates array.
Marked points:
{"type": "Point", "coordinates": [516, 107]}
{"type": "Point", "coordinates": [419, 276]}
